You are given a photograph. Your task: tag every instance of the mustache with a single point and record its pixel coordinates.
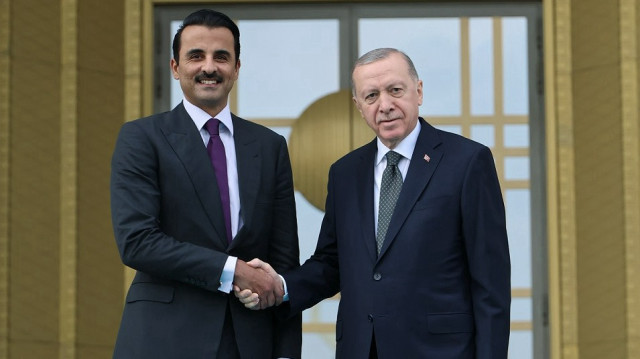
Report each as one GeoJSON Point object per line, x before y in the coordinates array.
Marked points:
{"type": "Point", "coordinates": [209, 76]}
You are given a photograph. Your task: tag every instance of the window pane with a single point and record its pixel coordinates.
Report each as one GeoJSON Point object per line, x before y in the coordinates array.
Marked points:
{"type": "Point", "coordinates": [518, 207]}
{"type": "Point", "coordinates": [481, 52]}
{"type": "Point", "coordinates": [317, 345]}
{"type": "Point", "coordinates": [281, 74]}
{"type": "Point", "coordinates": [516, 135]}
{"type": "Point", "coordinates": [457, 129]}
{"type": "Point", "coordinates": [521, 345]}
{"type": "Point", "coordinates": [309, 217]}
{"type": "Point", "coordinates": [327, 311]}
{"type": "Point", "coordinates": [309, 221]}
{"type": "Point", "coordinates": [434, 48]}
{"type": "Point", "coordinates": [483, 134]}
{"type": "Point", "coordinates": [514, 60]}
{"type": "Point", "coordinates": [516, 168]}
{"type": "Point", "coordinates": [521, 309]}
{"type": "Point", "coordinates": [176, 91]}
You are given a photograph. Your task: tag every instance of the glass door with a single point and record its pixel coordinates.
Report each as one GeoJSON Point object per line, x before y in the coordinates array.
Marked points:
{"type": "Point", "coordinates": [481, 67]}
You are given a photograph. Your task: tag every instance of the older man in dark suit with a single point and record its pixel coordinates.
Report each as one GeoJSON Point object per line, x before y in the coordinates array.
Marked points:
{"type": "Point", "coordinates": [414, 234]}
{"type": "Point", "coordinates": [194, 193]}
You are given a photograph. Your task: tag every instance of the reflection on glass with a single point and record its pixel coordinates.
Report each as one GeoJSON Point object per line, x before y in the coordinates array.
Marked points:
{"type": "Point", "coordinates": [518, 207]}
{"type": "Point", "coordinates": [516, 168]}
{"type": "Point", "coordinates": [281, 73]}
{"type": "Point", "coordinates": [516, 135]}
{"type": "Point", "coordinates": [481, 63]}
{"type": "Point", "coordinates": [483, 134]}
{"type": "Point", "coordinates": [514, 60]}
{"type": "Point", "coordinates": [433, 45]}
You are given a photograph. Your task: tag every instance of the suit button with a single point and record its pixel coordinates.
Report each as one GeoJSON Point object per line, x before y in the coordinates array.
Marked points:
{"type": "Point", "coordinates": [370, 317]}
{"type": "Point", "coordinates": [377, 276]}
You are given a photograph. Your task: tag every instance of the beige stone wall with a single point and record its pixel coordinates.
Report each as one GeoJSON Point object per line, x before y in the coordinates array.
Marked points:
{"type": "Point", "coordinates": [62, 65]}
{"type": "Point", "coordinates": [591, 62]}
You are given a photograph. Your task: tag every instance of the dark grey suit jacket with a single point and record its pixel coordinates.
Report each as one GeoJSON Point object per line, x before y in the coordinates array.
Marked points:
{"type": "Point", "coordinates": [168, 224]}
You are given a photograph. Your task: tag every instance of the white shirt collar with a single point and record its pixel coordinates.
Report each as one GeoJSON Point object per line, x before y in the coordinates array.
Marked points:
{"type": "Point", "coordinates": [405, 147]}
{"type": "Point", "coordinates": [200, 117]}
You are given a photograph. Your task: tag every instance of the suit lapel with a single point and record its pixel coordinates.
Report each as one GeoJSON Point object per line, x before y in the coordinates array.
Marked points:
{"type": "Point", "coordinates": [364, 176]}
{"type": "Point", "coordinates": [249, 166]}
{"type": "Point", "coordinates": [418, 176]}
{"type": "Point", "coordinates": [185, 139]}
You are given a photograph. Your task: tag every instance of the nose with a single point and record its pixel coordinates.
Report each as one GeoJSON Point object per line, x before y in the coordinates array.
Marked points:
{"type": "Point", "coordinates": [209, 66]}
{"type": "Point", "coordinates": [386, 103]}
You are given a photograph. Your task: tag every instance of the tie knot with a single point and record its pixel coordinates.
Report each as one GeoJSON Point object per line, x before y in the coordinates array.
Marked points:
{"type": "Point", "coordinates": [393, 158]}
{"type": "Point", "coordinates": [212, 126]}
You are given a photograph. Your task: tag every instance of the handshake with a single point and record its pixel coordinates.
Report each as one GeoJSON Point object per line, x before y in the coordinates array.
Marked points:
{"type": "Point", "coordinates": [257, 285]}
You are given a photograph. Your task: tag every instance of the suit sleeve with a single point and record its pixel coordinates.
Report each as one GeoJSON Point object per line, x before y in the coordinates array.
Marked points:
{"type": "Point", "coordinates": [284, 254]}
{"type": "Point", "coordinates": [319, 277]}
{"type": "Point", "coordinates": [136, 206]}
{"type": "Point", "coordinates": [486, 244]}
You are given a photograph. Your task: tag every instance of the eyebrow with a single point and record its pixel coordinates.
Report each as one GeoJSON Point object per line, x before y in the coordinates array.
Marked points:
{"type": "Point", "coordinates": [217, 52]}
{"type": "Point", "coordinates": [194, 51]}
{"type": "Point", "coordinates": [369, 90]}
{"type": "Point", "coordinates": [397, 84]}
{"type": "Point", "coordinates": [222, 52]}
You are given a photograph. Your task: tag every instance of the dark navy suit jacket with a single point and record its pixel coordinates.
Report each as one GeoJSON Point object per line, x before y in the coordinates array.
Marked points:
{"type": "Point", "coordinates": [440, 287]}
{"type": "Point", "coordinates": [168, 224]}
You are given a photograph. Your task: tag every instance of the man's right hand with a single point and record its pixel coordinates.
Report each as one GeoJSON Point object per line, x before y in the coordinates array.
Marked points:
{"type": "Point", "coordinates": [261, 280]}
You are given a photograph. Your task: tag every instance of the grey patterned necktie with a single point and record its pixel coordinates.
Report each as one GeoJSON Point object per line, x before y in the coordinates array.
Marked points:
{"type": "Point", "coordinates": [389, 191]}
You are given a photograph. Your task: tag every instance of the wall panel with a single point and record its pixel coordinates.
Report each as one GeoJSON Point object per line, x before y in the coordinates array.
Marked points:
{"type": "Point", "coordinates": [34, 193]}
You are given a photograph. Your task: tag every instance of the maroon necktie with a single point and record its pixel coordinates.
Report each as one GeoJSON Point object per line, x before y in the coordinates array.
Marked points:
{"type": "Point", "coordinates": [215, 148]}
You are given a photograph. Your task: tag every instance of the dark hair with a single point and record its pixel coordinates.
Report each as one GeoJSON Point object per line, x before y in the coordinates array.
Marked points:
{"type": "Point", "coordinates": [209, 18]}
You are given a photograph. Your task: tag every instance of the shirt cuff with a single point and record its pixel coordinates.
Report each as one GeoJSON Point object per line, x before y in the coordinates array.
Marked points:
{"type": "Point", "coordinates": [285, 298]}
{"type": "Point", "coordinates": [226, 279]}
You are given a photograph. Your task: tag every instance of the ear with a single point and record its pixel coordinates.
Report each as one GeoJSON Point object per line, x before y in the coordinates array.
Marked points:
{"type": "Point", "coordinates": [355, 101]}
{"type": "Point", "coordinates": [419, 89]}
{"type": "Point", "coordinates": [174, 68]}
{"type": "Point", "coordinates": [237, 72]}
